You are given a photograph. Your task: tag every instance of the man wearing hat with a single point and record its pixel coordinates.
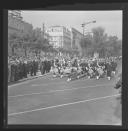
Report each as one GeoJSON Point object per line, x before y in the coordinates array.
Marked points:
{"type": "Point", "coordinates": [12, 71]}
{"type": "Point", "coordinates": [16, 70]}
{"type": "Point", "coordinates": [31, 67]}
{"type": "Point", "coordinates": [42, 68]}
{"type": "Point", "coordinates": [9, 70]}
{"type": "Point", "coordinates": [109, 70]}
{"type": "Point", "coordinates": [34, 67]}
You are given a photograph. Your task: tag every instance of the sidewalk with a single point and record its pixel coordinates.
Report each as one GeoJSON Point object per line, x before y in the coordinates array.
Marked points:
{"type": "Point", "coordinates": [28, 78]}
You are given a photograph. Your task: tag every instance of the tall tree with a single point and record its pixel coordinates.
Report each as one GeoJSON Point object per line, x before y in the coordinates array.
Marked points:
{"type": "Point", "coordinates": [114, 45]}
{"type": "Point", "coordinates": [99, 40]}
{"type": "Point", "coordinates": [101, 43]}
{"type": "Point", "coordinates": [14, 40]}
{"type": "Point", "coordinates": [85, 44]}
{"type": "Point", "coordinates": [31, 40]}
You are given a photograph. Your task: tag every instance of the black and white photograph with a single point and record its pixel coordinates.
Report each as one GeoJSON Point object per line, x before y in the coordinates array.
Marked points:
{"type": "Point", "coordinates": [64, 67]}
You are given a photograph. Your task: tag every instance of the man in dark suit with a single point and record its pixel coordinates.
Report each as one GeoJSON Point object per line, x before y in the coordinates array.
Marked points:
{"type": "Point", "coordinates": [16, 71]}
{"type": "Point", "coordinates": [109, 70]}
{"type": "Point", "coordinates": [34, 67]}
{"type": "Point", "coordinates": [31, 68]}
{"type": "Point", "coordinates": [25, 68]}
{"type": "Point", "coordinates": [42, 67]}
{"type": "Point", "coordinates": [49, 65]}
{"type": "Point", "coordinates": [12, 71]}
{"type": "Point", "coordinates": [45, 66]}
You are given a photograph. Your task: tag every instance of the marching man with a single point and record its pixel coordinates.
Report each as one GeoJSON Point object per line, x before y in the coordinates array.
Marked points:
{"type": "Point", "coordinates": [109, 70]}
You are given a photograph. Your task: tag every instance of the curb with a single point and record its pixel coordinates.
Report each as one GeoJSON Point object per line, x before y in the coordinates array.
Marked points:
{"type": "Point", "coordinates": [27, 79]}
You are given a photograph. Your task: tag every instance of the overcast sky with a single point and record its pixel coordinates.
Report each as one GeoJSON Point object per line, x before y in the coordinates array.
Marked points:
{"type": "Point", "coordinates": [111, 21]}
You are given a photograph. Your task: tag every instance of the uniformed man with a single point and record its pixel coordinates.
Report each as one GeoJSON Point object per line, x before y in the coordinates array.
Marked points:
{"type": "Point", "coordinates": [12, 71]}
{"type": "Point", "coordinates": [16, 70]}
{"type": "Point", "coordinates": [109, 70]}
{"type": "Point", "coordinates": [49, 65]}
{"type": "Point", "coordinates": [46, 65]}
{"type": "Point", "coordinates": [9, 70]}
{"type": "Point", "coordinates": [37, 65]}
{"type": "Point", "coordinates": [25, 68]}
{"type": "Point", "coordinates": [42, 67]}
{"type": "Point", "coordinates": [114, 66]}
{"type": "Point", "coordinates": [34, 67]}
{"type": "Point", "coordinates": [20, 69]}
{"type": "Point", "coordinates": [31, 68]}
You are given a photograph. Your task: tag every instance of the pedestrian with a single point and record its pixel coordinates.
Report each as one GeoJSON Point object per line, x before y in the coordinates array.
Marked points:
{"type": "Point", "coordinates": [20, 69]}
{"type": "Point", "coordinates": [34, 67]}
{"type": "Point", "coordinates": [49, 65]}
{"type": "Point", "coordinates": [45, 66]}
{"type": "Point", "coordinates": [9, 71]}
{"type": "Point", "coordinates": [31, 68]}
{"type": "Point", "coordinates": [37, 65]}
{"type": "Point", "coordinates": [12, 71]}
{"type": "Point", "coordinates": [42, 67]}
{"type": "Point", "coordinates": [25, 68]}
{"type": "Point", "coordinates": [109, 70]}
{"type": "Point", "coordinates": [114, 66]}
{"type": "Point", "coordinates": [16, 71]}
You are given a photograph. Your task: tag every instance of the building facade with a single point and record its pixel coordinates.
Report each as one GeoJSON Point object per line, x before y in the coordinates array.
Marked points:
{"type": "Point", "coordinates": [16, 23]}
{"type": "Point", "coordinates": [46, 36]}
{"type": "Point", "coordinates": [59, 37]}
{"type": "Point", "coordinates": [27, 27]}
{"type": "Point", "coordinates": [76, 38]}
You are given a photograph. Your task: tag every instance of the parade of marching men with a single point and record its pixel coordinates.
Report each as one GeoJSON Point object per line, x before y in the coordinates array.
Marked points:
{"type": "Point", "coordinates": [73, 68]}
{"type": "Point", "coordinates": [76, 68]}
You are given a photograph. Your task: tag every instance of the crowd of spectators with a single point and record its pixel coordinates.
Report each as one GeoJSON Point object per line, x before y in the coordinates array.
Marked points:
{"type": "Point", "coordinates": [21, 67]}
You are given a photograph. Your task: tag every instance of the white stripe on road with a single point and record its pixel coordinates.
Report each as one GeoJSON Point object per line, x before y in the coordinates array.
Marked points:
{"type": "Point", "coordinates": [27, 81]}
{"type": "Point", "coordinates": [52, 91]}
{"type": "Point", "coordinates": [50, 107]}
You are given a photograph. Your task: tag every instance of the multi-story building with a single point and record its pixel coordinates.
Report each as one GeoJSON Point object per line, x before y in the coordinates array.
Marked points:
{"type": "Point", "coordinates": [76, 37]}
{"type": "Point", "coordinates": [27, 27]}
{"type": "Point", "coordinates": [45, 35]}
{"type": "Point", "coordinates": [15, 14]}
{"type": "Point", "coordinates": [59, 37]}
{"type": "Point", "coordinates": [16, 23]}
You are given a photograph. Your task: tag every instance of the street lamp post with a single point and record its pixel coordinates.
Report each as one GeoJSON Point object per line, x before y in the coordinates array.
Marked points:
{"type": "Point", "coordinates": [83, 25]}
